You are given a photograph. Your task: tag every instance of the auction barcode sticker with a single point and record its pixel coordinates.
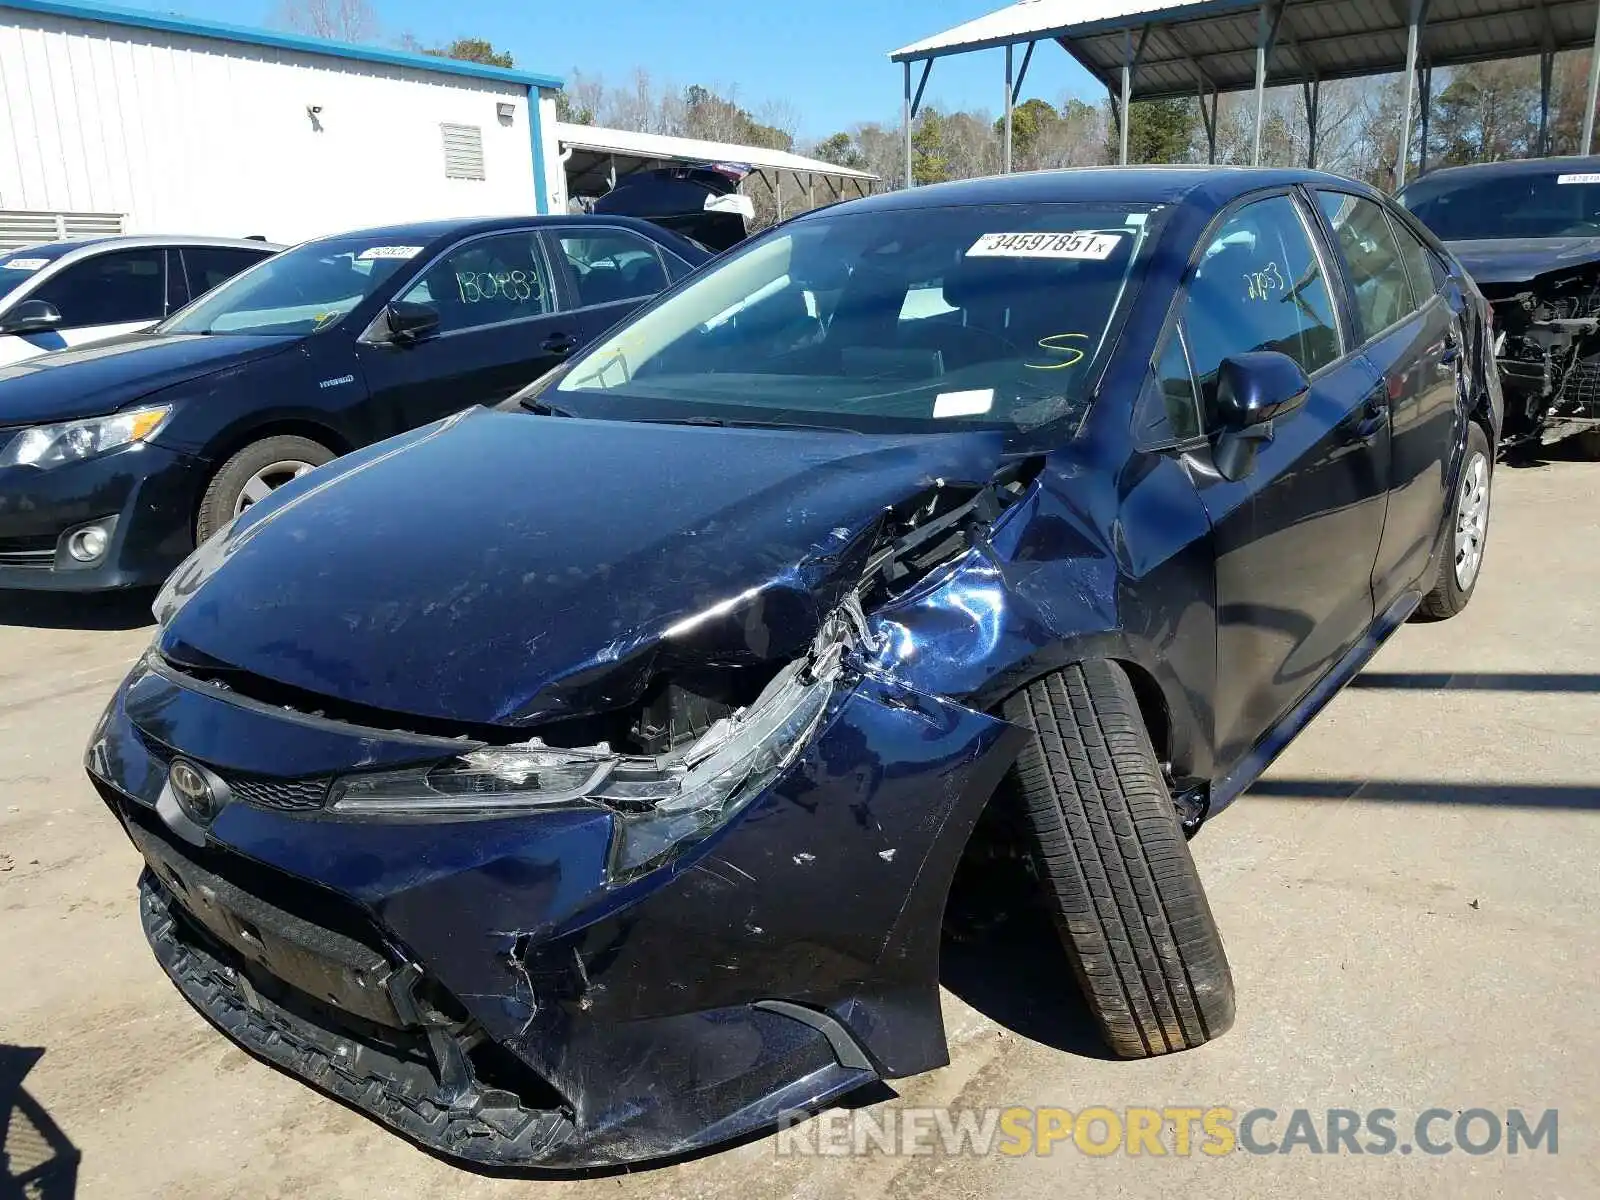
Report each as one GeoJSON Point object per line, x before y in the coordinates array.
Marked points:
{"type": "Point", "coordinates": [1585, 178]}
{"type": "Point", "coordinates": [389, 252]}
{"type": "Point", "coordinates": [1044, 245]}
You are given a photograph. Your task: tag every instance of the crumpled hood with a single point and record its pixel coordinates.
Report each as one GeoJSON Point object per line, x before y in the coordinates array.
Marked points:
{"type": "Point", "coordinates": [1520, 260]}
{"type": "Point", "coordinates": [502, 568]}
{"type": "Point", "coordinates": [105, 376]}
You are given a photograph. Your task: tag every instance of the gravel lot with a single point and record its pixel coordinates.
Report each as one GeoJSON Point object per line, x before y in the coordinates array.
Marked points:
{"type": "Point", "coordinates": [1408, 900]}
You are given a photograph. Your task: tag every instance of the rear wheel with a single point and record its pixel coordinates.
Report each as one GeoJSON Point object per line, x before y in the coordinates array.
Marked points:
{"type": "Point", "coordinates": [253, 474]}
{"type": "Point", "coordinates": [1117, 872]}
{"type": "Point", "coordinates": [1466, 532]}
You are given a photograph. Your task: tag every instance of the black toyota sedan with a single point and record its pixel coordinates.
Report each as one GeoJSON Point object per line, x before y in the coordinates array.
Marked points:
{"type": "Point", "coordinates": [1528, 232]}
{"type": "Point", "coordinates": [117, 459]}
{"type": "Point", "coordinates": [582, 780]}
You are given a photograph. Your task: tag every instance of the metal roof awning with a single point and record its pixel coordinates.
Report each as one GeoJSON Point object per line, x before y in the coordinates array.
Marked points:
{"type": "Point", "coordinates": [1182, 44]}
{"type": "Point", "coordinates": [1157, 49]}
{"type": "Point", "coordinates": [598, 157]}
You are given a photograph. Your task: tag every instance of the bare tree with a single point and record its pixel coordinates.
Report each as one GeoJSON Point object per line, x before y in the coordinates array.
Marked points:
{"type": "Point", "coordinates": [338, 20]}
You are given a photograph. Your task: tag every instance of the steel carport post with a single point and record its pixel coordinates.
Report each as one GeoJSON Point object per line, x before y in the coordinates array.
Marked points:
{"type": "Point", "coordinates": [1127, 89]}
{"type": "Point", "coordinates": [911, 106]}
{"type": "Point", "coordinates": [1426, 105]}
{"type": "Point", "coordinates": [1261, 79]}
{"type": "Point", "coordinates": [1313, 91]}
{"type": "Point", "coordinates": [1013, 90]}
{"type": "Point", "coordinates": [1594, 83]}
{"type": "Point", "coordinates": [1006, 155]}
{"type": "Point", "coordinates": [1404, 154]}
{"type": "Point", "coordinates": [1546, 62]}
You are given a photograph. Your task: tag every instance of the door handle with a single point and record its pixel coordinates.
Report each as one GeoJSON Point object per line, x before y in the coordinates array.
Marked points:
{"type": "Point", "coordinates": [1374, 413]}
{"type": "Point", "coordinates": [560, 343]}
{"type": "Point", "coordinates": [1450, 351]}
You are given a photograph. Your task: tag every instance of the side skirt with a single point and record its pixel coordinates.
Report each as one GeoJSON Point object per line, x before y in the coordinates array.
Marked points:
{"type": "Point", "coordinates": [1254, 764]}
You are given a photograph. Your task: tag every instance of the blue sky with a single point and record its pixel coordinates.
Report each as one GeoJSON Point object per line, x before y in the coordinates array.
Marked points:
{"type": "Point", "coordinates": [827, 57]}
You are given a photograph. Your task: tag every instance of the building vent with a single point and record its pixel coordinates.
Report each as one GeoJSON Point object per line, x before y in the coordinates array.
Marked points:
{"type": "Point", "coordinates": [18, 228]}
{"type": "Point", "coordinates": [463, 151]}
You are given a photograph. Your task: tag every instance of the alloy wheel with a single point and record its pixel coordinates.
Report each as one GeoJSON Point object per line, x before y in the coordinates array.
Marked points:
{"type": "Point", "coordinates": [1472, 520]}
{"type": "Point", "coordinates": [267, 480]}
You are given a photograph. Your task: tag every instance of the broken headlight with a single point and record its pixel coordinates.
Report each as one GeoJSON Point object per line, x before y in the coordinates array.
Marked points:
{"type": "Point", "coordinates": [657, 802]}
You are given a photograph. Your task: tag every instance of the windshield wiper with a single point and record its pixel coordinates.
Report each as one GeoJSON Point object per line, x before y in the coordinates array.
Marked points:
{"type": "Point", "coordinates": [729, 423]}
{"type": "Point", "coordinates": [544, 408]}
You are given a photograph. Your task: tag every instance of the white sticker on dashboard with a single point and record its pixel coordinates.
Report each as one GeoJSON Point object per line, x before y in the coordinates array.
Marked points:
{"type": "Point", "coordinates": [1589, 177]}
{"type": "Point", "coordinates": [25, 264]}
{"type": "Point", "coordinates": [389, 252]}
{"type": "Point", "coordinates": [1044, 245]}
{"type": "Point", "coordinates": [963, 404]}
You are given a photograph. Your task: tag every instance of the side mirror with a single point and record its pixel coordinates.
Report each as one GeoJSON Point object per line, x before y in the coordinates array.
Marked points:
{"type": "Point", "coordinates": [31, 316]}
{"type": "Point", "coordinates": [406, 321]}
{"type": "Point", "coordinates": [1253, 389]}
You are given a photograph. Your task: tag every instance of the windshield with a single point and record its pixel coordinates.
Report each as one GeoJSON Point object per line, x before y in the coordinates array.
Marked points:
{"type": "Point", "coordinates": [18, 266]}
{"type": "Point", "coordinates": [308, 289]}
{"type": "Point", "coordinates": [1514, 205]}
{"type": "Point", "coordinates": [986, 316]}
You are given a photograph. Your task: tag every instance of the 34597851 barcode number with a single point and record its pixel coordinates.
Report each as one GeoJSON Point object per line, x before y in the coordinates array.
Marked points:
{"type": "Point", "coordinates": [1045, 245]}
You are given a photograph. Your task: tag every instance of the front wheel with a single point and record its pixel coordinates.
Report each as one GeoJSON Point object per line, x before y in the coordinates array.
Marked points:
{"type": "Point", "coordinates": [253, 474]}
{"type": "Point", "coordinates": [1466, 532]}
{"type": "Point", "coordinates": [1118, 876]}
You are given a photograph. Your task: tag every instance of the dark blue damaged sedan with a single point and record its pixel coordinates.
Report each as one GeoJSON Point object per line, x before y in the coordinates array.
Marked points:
{"type": "Point", "coordinates": [582, 782]}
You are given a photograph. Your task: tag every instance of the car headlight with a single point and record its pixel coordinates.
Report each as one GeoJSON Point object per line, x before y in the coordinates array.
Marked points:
{"type": "Point", "coordinates": [52, 445]}
{"type": "Point", "coordinates": [658, 803]}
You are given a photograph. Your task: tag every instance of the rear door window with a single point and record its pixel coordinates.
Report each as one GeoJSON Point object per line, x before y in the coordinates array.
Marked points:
{"type": "Point", "coordinates": [611, 265]}
{"type": "Point", "coordinates": [208, 266]}
{"type": "Point", "coordinates": [1420, 264]}
{"type": "Point", "coordinates": [122, 287]}
{"type": "Point", "coordinates": [1372, 256]}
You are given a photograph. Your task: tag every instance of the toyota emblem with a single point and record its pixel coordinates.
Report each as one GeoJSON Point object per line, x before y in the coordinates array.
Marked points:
{"type": "Point", "coordinates": [193, 791]}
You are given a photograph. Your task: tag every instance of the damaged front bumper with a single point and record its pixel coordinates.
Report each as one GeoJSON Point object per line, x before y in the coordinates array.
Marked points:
{"type": "Point", "coordinates": [489, 987]}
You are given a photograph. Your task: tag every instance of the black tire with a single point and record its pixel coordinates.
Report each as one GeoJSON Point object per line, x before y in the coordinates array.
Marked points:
{"type": "Point", "coordinates": [1449, 596]}
{"type": "Point", "coordinates": [222, 495]}
{"type": "Point", "coordinates": [1118, 876]}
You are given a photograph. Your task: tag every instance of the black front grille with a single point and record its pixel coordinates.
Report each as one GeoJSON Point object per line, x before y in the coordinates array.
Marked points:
{"type": "Point", "coordinates": [281, 795]}
{"type": "Point", "coordinates": [285, 795]}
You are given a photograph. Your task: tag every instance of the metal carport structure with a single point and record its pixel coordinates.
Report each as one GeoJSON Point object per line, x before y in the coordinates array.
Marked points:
{"type": "Point", "coordinates": [1154, 49]}
{"type": "Point", "coordinates": [596, 158]}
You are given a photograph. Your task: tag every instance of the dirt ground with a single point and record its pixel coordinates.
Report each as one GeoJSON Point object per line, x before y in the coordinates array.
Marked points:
{"type": "Point", "coordinates": [1408, 901]}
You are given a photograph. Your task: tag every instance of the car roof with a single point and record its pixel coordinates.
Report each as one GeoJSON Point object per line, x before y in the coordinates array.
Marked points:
{"type": "Point", "coordinates": [1517, 166]}
{"type": "Point", "coordinates": [430, 231]}
{"type": "Point", "coordinates": [135, 241]}
{"type": "Point", "coordinates": [1207, 186]}
{"type": "Point", "coordinates": [433, 235]}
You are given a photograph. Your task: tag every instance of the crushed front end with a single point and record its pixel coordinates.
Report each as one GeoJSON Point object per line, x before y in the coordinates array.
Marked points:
{"type": "Point", "coordinates": [1547, 348]}
{"type": "Point", "coordinates": [554, 955]}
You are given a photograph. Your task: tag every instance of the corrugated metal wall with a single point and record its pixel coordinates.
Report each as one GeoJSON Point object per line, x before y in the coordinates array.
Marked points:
{"type": "Point", "coordinates": [180, 134]}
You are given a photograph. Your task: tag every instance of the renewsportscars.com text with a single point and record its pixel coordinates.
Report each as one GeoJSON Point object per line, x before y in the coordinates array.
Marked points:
{"type": "Point", "coordinates": [1175, 1130]}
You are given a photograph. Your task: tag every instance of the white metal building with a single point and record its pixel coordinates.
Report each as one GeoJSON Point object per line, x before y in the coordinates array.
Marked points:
{"type": "Point", "coordinates": [119, 120]}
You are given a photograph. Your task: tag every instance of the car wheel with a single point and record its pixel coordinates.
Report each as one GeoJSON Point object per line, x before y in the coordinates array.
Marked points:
{"type": "Point", "coordinates": [1117, 873]}
{"type": "Point", "coordinates": [252, 474]}
{"type": "Point", "coordinates": [1587, 444]}
{"type": "Point", "coordinates": [1466, 532]}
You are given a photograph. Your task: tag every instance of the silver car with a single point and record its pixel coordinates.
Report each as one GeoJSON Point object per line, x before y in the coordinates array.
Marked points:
{"type": "Point", "coordinates": [60, 294]}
